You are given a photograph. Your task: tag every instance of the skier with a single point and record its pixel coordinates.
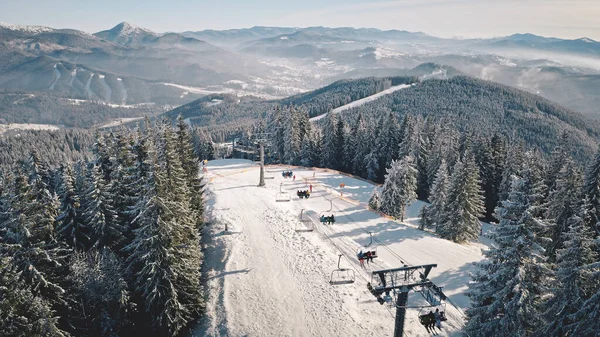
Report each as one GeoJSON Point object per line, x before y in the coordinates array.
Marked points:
{"type": "Point", "coordinates": [294, 179]}
{"type": "Point", "coordinates": [438, 319]}
{"type": "Point", "coordinates": [361, 258]}
{"type": "Point", "coordinates": [431, 321]}
{"type": "Point", "coordinates": [311, 188]}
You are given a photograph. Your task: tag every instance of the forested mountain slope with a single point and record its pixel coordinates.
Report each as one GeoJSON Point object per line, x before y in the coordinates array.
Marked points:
{"type": "Point", "coordinates": [487, 107]}
{"type": "Point", "coordinates": [216, 110]}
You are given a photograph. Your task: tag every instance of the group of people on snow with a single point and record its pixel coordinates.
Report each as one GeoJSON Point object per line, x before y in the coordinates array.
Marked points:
{"type": "Point", "coordinates": [328, 219]}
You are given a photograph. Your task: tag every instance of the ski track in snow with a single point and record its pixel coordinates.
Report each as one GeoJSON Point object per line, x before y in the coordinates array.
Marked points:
{"type": "Point", "coordinates": [123, 91]}
{"type": "Point", "coordinates": [107, 89]}
{"type": "Point", "coordinates": [73, 75]}
{"type": "Point", "coordinates": [266, 279]}
{"type": "Point", "coordinates": [57, 76]}
{"type": "Point", "coordinates": [364, 100]}
{"type": "Point", "coordinates": [87, 87]}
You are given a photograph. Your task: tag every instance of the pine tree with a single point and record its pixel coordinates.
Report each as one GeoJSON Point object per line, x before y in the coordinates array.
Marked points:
{"type": "Point", "coordinates": [22, 313]}
{"type": "Point", "coordinates": [100, 291]}
{"type": "Point", "coordinates": [375, 201]}
{"type": "Point", "coordinates": [399, 188]}
{"type": "Point", "coordinates": [191, 166]}
{"type": "Point", "coordinates": [434, 214]}
{"type": "Point", "coordinates": [291, 145]}
{"type": "Point", "coordinates": [562, 204]}
{"type": "Point", "coordinates": [371, 163]}
{"type": "Point", "coordinates": [99, 213]}
{"type": "Point", "coordinates": [464, 204]}
{"type": "Point", "coordinates": [508, 285]}
{"type": "Point", "coordinates": [591, 190]}
{"type": "Point", "coordinates": [329, 150]}
{"type": "Point", "coordinates": [573, 282]}
{"type": "Point", "coordinates": [70, 225]}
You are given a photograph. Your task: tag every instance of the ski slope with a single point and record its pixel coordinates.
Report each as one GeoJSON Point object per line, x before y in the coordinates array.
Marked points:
{"type": "Point", "coordinates": [266, 279]}
{"type": "Point", "coordinates": [362, 101]}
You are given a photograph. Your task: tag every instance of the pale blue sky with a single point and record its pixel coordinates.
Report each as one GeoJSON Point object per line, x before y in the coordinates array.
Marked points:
{"type": "Point", "coordinates": [447, 18]}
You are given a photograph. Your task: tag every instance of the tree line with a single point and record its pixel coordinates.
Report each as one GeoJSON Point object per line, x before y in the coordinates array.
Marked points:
{"type": "Point", "coordinates": [107, 246]}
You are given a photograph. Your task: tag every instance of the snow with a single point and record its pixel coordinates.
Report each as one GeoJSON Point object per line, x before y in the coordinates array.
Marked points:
{"type": "Point", "coordinates": [107, 89]}
{"type": "Point", "coordinates": [266, 279]}
{"type": "Point", "coordinates": [88, 89]}
{"type": "Point", "coordinates": [56, 77]}
{"type": "Point", "coordinates": [120, 121]}
{"type": "Point", "coordinates": [362, 101]}
{"type": "Point", "coordinates": [119, 79]}
{"type": "Point", "coordinates": [6, 127]}
{"type": "Point", "coordinates": [284, 38]}
{"type": "Point", "coordinates": [27, 29]}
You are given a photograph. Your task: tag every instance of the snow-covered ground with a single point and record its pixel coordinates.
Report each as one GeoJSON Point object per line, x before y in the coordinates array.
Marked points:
{"type": "Point", "coordinates": [6, 127]}
{"type": "Point", "coordinates": [364, 100]}
{"type": "Point", "coordinates": [120, 121]}
{"type": "Point", "coordinates": [266, 279]}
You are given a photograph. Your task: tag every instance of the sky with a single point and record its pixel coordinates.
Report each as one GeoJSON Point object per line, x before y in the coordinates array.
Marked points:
{"type": "Point", "coordinates": [443, 18]}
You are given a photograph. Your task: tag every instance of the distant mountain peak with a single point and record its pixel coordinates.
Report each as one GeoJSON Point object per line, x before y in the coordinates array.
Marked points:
{"type": "Point", "coordinates": [588, 40]}
{"type": "Point", "coordinates": [127, 34]}
{"type": "Point", "coordinates": [127, 28]}
{"type": "Point", "coordinates": [25, 28]}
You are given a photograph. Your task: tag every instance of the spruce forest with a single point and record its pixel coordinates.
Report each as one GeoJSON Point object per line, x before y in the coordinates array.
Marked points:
{"type": "Point", "coordinates": [105, 242]}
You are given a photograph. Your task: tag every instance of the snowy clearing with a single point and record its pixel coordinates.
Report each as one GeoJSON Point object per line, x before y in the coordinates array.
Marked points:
{"type": "Point", "coordinates": [6, 127]}
{"type": "Point", "coordinates": [266, 279]}
{"type": "Point", "coordinates": [120, 121]}
{"type": "Point", "coordinates": [364, 100]}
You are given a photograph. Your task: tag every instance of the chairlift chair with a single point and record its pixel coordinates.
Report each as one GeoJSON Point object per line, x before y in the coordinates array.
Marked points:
{"type": "Point", "coordinates": [305, 224]}
{"type": "Point", "coordinates": [282, 196]}
{"type": "Point", "coordinates": [342, 275]}
{"type": "Point", "coordinates": [370, 247]}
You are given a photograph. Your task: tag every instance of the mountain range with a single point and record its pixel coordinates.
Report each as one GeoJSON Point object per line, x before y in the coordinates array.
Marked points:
{"type": "Point", "coordinates": [129, 65]}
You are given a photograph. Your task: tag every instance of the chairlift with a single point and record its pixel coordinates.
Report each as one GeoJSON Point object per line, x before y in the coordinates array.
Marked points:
{"type": "Point", "coordinates": [342, 275]}
{"type": "Point", "coordinates": [282, 196]}
{"type": "Point", "coordinates": [305, 224]}
{"type": "Point", "coordinates": [372, 249]}
{"type": "Point", "coordinates": [424, 317]}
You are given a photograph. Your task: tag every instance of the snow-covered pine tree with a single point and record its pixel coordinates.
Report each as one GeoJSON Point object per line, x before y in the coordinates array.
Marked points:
{"type": "Point", "coordinates": [123, 179]}
{"type": "Point", "coordinates": [329, 154]}
{"type": "Point", "coordinates": [306, 152]}
{"type": "Point", "coordinates": [512, 166]}
{"type": "Point", "coordinates": [399, 188]}
{"type": "Point", "coordinates": [464, 204]}
{"type": "Point", "coordinates": [150, 260]}
{"type": "Point", "coordinates": [291, 145]}
{"type": "Point", "coordinates": [387, 143]}
{"type": "Point", "coordinates": [70, 225]}
{"type": "Point", "coordinates": [185, 249]}
{"type": "Point", "coordinates": [22, 313]}
{"type": "Point", "coordinates": [508, 285]}
{"type": "Point", "coordinates": [99, 289]}
{"type": "Point", "coordinates": [591, 191]}
{"type": "Point", "coordinates": [573, 283]}
{"type": "Point", "coordinates": [563, 203]}
{"type": "Point", "coordinates": [339, 146]}
{"type": "Point", "coordinates": [99, 212]}
{"type": "Point", "coordinates": [557, 160]}
{"type": "Point", "coordinates": [371, 164]}
{"type": "Point", "coordinates": [191, 167]}
{"type": "Point", "coordinates": [375, 201]}
{"type": "Point", "coordinates": [434, 215]}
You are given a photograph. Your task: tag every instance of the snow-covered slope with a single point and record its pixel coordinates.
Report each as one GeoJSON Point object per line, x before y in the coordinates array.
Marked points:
{"type": "Point", "coordinates": [362, 101]}
{"type": "Point", "coordinates": [266, 279]}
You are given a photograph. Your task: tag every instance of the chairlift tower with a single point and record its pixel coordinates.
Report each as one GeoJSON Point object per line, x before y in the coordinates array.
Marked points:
{"type": "Point", "coordinates": [261, 139]}
{"type": "Point", "coordinates": [401, 281]}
